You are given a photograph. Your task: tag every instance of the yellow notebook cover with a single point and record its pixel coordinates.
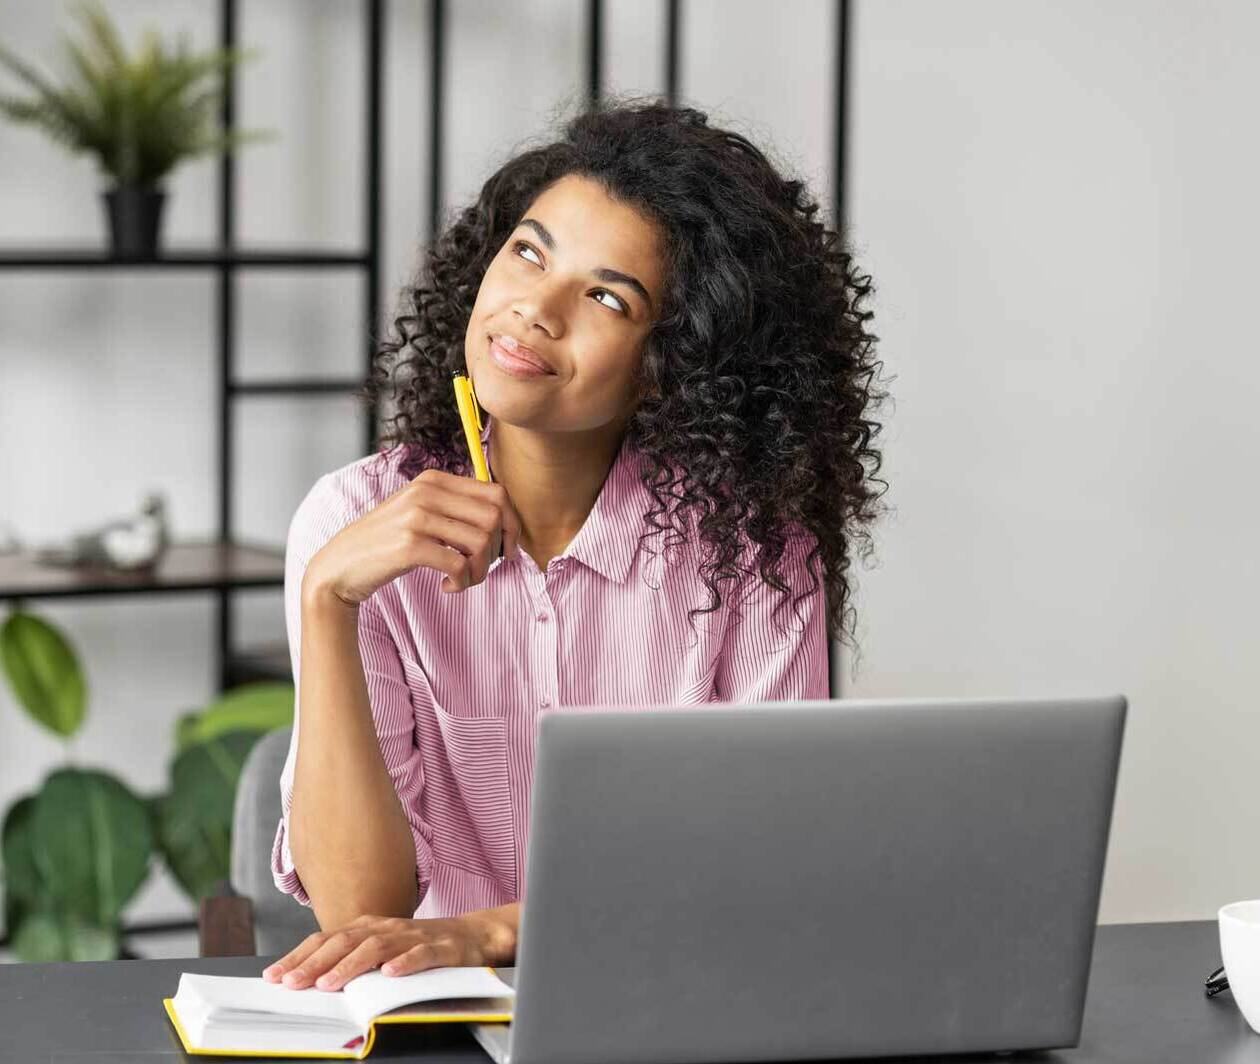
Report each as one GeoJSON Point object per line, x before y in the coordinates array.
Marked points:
{"type": "Point", "coordinates": [349, 1053]}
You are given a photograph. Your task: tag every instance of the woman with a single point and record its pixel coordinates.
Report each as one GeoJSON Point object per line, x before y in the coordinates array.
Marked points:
{"type": "Point", "coordinates": [676, 391]}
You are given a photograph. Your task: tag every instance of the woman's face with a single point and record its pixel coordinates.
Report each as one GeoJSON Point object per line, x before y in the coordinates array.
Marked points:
{"type": "Point", "coordinates": [579, 282]}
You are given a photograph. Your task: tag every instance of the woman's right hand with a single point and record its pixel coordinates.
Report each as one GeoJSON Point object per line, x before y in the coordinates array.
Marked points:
{"type": "Point", "coordinates": [418, 526]}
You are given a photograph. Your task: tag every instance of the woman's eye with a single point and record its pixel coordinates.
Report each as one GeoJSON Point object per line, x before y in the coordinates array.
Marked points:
{"type": "Point", "coordinates": [521, 244]}
{"type": "Point", "coordinates": [619, 305]}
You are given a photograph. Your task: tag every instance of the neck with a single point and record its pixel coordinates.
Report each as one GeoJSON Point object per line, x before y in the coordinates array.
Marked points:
{"type": "Point", "coordinates": [553, 480]}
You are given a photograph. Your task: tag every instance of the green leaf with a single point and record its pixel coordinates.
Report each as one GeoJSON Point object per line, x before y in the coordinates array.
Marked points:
{"type": "Point", "coordinates": [102, 33]}
{"type": "Point", "coordinates": [45, 937]}
{"type": "Point", "coordinates": [92, 841]}
{"type": "Point", "coordinates": [258, 707]}
{"type": "Point", "coordinates": [43, 672]}
{"type": "Point", "coordinates": [139, 114]}
{"type": "Point", "coordinates": [195, 817]}
{"type": "Point", "coordinates": [25, 71]}
{"type": "Point", "coordinates": [17, 850]}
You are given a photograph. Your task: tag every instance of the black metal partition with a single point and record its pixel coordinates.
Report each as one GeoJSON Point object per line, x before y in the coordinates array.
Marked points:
{"type": "Point", "coordinates": [225, 564]}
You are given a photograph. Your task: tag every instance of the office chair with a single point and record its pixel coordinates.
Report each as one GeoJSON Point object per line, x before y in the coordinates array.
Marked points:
{"type": "Point", "coordinates": [248, 916]}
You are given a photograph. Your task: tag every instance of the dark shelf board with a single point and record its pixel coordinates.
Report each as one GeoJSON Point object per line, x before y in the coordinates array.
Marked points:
{"type": "Point", "coordinates": [75, 258]}
{"type": "Point", "coordinates": [266, 662]}
{"type": "Point", "coordinates": [297, 386]}
{"type": "Point", "coordinates": [194, 565]}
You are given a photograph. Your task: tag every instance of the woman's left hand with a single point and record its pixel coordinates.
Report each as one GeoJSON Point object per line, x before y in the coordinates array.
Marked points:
{"type": "Point", "coordinates": [329, 959]}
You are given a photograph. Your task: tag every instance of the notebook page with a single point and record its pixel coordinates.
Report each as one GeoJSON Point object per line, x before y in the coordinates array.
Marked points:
{"type": "Point", "coordinates": [232, 994]}
{"type": "Point", "coordinates": [370, 994]}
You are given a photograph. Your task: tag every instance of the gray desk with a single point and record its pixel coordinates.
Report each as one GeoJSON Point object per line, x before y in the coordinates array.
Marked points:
{"type": "Point", "coordinates": [1145, 1006]}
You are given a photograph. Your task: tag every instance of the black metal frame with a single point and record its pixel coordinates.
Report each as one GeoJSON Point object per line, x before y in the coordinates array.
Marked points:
{"type": "Point", "coordinates": [225, 260]}
{"type": "Point", "coordinates": [228, 672]}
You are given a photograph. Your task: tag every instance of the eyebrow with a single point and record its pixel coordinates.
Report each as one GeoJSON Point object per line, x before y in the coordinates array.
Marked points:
{"type": "Point", "coordinates": [602, 273]}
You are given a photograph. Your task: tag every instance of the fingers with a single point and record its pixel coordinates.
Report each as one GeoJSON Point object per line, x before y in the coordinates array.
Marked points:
{"type": "Point", "coordinates": [464, 537]}
{"type": "Point", "coordinates": [327, 961]}
{"type": "Point", "coordinates": [438, 953]}
{"type": "Point", "coordinates": [363, 958]}
{"type": "Point", "coordinates": [291, 960]}
{"type": "Point", "coordinates": [469, 526]}
{"type": "Point", "coordinates": [463, 500]}
{"type": "Point", "coordinates": [487, 506]}
{"type": "Point", "coordinates": [510, 521]}
{"type": "Point", "coordinates": [433, 553]}
{"type": "Point", "coordinates": [324, 958]}
{"type": "Point", "coordinates": [349, 950]}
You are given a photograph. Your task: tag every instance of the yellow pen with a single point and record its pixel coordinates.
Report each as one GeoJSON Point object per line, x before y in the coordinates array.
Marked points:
{"type": "Point", "coordinates": [466, 400]}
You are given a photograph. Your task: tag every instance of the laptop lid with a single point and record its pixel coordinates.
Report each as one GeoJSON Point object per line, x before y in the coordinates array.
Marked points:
{"type": "Point", "coordinates": [820, 879]}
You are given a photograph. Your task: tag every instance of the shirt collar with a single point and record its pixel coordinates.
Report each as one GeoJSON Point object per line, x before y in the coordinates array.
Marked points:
{"type": "Point", "coordinates": [609, 538]}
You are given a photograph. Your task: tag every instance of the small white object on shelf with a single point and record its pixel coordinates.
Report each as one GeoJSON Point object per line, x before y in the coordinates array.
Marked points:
{"type": "Point", "coordinates": [126, 544]}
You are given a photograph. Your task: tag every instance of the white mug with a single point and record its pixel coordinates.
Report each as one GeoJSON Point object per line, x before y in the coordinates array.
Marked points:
{"type": "Point", "coordinates": [1240, 954]}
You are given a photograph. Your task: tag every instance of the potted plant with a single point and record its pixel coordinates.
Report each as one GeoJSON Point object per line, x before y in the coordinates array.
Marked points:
{"type": "Point", "coordinates": [76, 851]}
{"type": "Point", "coordinates": [139, 115]}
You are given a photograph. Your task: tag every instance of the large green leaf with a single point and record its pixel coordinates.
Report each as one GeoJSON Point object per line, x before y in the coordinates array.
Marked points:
{"type": "Point", "coordinates": [21, 877]}
{"type": "Point", "coordinates": [91, 841]}
{"type": "Point", "coordinates": [44, 673]}
{"type": "Point", "coordinates": [194, 819]}
{"type": "Point", "coordinates": [17, 862]}
{"type": "Point", "coordinates": [43, 937]}
{"type": "Point", "coordinates": [256, 707]}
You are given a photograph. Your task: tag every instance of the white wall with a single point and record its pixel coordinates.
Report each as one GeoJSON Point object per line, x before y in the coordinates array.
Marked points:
{"type": "Point", "coordinates": [1056, 203]}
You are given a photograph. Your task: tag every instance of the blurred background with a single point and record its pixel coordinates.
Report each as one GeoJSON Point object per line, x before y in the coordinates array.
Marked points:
{"type": "Point", "coordinates": [1051, 200]}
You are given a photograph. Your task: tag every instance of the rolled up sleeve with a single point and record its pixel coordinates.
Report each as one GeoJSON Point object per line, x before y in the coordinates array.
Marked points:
{"type": "Point", "coordinates": [318, 518]}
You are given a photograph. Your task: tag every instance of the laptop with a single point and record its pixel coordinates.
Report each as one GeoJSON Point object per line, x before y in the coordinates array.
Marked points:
{"type": "Point", "coordinates": [811, 880]}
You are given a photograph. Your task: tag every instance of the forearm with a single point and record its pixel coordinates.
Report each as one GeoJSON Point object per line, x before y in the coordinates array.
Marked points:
{"type": "Point", "coordinates": [351, 842]}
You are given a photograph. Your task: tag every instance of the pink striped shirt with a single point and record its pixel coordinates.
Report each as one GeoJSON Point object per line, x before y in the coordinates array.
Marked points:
{"type": "Point", "coordinates": [457, 682]}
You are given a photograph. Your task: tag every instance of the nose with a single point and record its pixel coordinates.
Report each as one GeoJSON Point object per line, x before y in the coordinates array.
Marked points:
{"type": "Point", "coordinates": [540, 305]}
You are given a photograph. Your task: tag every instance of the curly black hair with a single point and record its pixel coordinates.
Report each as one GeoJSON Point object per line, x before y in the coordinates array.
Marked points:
{"type": "Point", "coordinates": [758, 379]}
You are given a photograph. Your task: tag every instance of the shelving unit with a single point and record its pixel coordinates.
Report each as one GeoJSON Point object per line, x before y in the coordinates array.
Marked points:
{"type": "Point", "coordinates": [225, 564]}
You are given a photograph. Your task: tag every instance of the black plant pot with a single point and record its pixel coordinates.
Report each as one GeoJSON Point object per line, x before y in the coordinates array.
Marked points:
{"type": "Point", "coordinates": [135, 219]}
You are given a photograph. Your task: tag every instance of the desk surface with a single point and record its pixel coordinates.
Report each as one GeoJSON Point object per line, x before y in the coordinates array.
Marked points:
{"type": "Point", "coordinates": [1145, 1005]}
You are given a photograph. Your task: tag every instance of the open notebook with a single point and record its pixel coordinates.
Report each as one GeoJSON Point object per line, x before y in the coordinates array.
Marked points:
{"type": "Point", "coordinates": [240, 1016]}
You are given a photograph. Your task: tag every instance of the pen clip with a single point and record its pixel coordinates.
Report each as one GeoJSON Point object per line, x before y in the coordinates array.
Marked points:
{"type": "Point", "coordinates": [476, 413]}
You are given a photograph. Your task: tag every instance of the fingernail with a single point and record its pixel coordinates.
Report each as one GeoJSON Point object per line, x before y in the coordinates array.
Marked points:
{"type": "Point", "coordinates": [270, 971]}
{"type": "Point", "coordinates": [389, 969]}
{"type": "Point", "coordinates": [292, 978]}
{"type": "Point", "coordinates": [325, 981]}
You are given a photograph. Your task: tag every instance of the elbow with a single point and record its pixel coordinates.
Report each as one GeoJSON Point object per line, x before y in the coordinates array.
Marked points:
{"type": "Point", "coordinates": [336, 909]}
{"type": "Point", "coordinates": [336, 914]}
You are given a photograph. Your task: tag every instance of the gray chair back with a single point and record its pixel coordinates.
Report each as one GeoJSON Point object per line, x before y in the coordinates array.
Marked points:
{"type": "Point", "coordinates": [280, 921]}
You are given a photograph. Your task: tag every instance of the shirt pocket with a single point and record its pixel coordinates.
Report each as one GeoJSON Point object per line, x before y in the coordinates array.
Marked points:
{"type": "Point", "coordinates": [468, 801]}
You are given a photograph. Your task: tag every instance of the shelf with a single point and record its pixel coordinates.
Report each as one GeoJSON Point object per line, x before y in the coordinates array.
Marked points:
{"type": "Point", "coordinates": [297, 386]}
{"type": "Point", "coordinates": [76, 258]}
{"type": "Point", "coordinates": [194, 565]}
{"type": "Point", "coordinates": [223, 564]}
{"type": "Point", "coordinates": [266, 662]}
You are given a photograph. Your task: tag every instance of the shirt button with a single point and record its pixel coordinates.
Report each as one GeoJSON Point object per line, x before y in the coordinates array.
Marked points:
{"type": "Point", "coordinates": [542, 616]}
{"type": "Point", "coordinates": [545, 702]}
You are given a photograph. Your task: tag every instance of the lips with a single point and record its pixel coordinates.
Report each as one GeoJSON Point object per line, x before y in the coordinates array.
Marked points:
{"type": "Point", "coordinates": [518, 350]}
